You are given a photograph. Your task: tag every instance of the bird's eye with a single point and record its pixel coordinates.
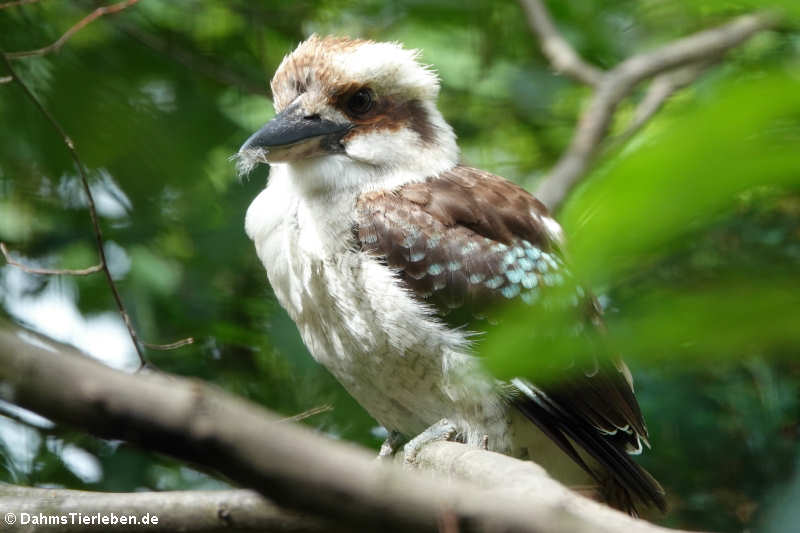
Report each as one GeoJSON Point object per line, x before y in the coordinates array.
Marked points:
{"type": "Point", "coordinates": [361, 102]}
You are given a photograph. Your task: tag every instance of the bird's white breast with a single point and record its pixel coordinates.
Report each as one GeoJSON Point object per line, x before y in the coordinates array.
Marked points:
{"type": "Point", "coordinates": [404, 367]}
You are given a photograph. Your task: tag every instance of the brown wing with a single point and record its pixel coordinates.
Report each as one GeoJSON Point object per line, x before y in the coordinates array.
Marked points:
{"type": "Point", "coordinates": [465, 240]}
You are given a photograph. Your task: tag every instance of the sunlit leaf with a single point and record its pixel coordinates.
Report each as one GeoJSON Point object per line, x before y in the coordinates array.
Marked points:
{"type": "Point", "coordinates": [686, 175]}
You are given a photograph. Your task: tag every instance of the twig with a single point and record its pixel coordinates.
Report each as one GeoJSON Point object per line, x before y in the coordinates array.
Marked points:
{"type": "Point", "coordinates": [25, 417]}
{"type": "Point", "coordinates": [6, 79]}
{"type": "Point", "coordinates": [15, 3]}
{"type": "Point", "coordinates": [661, 88]}
{"type": "Point", "coordinates": [49, 271]}
{"type": "Point", "coordinates": [618, 83]}
{"type": "Point", "coordinates": [309, 413]}
{"type": "Point", "coordinates": [88, 19]}
{"type": "Point", "coordinates": [171, 345]}
{"type": "Point", "coordinates": [85, 272]}
{"type": "Point", "coordinates": [90, 201]}
{"type": "Point", "coordinates": [557, 50]}
{"type": "Point", "coordinates": [193, 61]}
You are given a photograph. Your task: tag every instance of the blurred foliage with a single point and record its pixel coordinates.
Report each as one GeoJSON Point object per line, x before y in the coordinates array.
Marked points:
{"type": "Point", "coordinates": [689, 234]}
{"type": "Point", "coordinates": [698, 167]}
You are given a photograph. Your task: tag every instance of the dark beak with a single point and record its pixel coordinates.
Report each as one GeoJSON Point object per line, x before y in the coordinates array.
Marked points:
{"type": "Point", "coordinates": [293, 135]}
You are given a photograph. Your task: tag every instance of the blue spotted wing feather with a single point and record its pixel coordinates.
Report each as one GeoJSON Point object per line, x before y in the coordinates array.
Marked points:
{"type": "Point", "coordinates": [461, 241]}
{"type": "Point", "coordinates": [467, 240]}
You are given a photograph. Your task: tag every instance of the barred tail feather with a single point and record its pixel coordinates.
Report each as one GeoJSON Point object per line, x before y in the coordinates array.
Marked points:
{"type": "Point", "coordinates": [624, 482]}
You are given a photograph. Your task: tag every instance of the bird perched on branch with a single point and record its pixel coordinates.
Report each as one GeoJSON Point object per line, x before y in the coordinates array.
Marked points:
{"type": "Point", "coordinates": [375, 238]}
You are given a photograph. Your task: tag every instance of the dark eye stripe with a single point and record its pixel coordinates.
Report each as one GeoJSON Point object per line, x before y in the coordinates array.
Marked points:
{"type": "Point", "coordinates": [361, 102]}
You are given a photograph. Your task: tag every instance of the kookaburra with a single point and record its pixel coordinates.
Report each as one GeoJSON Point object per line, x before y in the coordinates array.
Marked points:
{"type": "Point", "coordinates": [373, 236]}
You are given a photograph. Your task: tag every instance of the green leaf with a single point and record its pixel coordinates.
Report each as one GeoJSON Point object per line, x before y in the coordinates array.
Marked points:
{"type": "Point", "coordinates": [686, 175]}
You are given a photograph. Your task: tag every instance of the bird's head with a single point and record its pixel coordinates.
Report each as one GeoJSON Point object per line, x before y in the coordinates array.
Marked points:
{"type": "Point", "coordinates": [352, 112]}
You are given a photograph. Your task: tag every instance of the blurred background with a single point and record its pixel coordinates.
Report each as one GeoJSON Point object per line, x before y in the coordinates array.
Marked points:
{"type": "Point", "coordinates": [689, 232]}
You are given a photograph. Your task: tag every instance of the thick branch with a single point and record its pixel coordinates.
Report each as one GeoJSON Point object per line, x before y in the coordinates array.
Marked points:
{"type": "Point", "coordinates": [291, 465]}
{"type": "Point", "coordinates": [557, 50]}
{"type": "Point", "coordinates": [196, 511]}
{"type": "Point", "coordinates": [618, 83]}
{"type": "Point", "coordinates": [510, 478]}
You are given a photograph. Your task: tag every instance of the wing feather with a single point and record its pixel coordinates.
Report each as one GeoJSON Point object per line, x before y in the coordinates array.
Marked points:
{"type": "Point", "coordinates": [466, 239]}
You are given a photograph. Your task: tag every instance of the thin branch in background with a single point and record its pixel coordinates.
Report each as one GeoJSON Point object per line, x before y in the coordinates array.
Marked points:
{"type": "Point", "coordinates": [90, 201]}
{"type": "Point", "coordinates": [661, 88]}
{"type": "Point", "coordinates": [103, 265]}
{"type": "Point", "coordinates": [193, 61]}
{"type": "Point", "coordinates": [49, 271]}
{"type": "Point", "coordinates": [88, 19]}
{"type": "Point", "coordinates": [679, 62]}
{"type": "Point", "coordinates": [16, 3]}
{"type": "Point", "coordinates": [171, 345]}
{"type": "Point", "coordinates": [85, 272]}
{"type": "Point", "coordinates": [556, 49]}
{"type": "Point", "coordinates": [307, 414]}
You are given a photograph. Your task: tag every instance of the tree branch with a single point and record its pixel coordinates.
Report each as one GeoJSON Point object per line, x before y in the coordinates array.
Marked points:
{"type": "Point", "coordinates": [292, 465]}
{"type": "Point", "coordinates": [616, 84]}
{"type": "Point", "coordinates": [98, 232]}
{"type": "Point", "coordinates": [85, 21]}
{"type": "Point", "coordinates": [171, 345]}
{"type": "Point", "coordinates": [16, 3]}
{"type": "Point", "coordinates": [511, 478]}
{"type": "Point", "coordinates": [661, 88]}
{"type": "Point", "coordinates": [557, 50]}
{"type": "Point", "coordinates": [48, 271]}
{"type": "Point", "coordinates": [308, 413]}
{"type": "Point", "coordinates": [195, 62]}
{"type": "Point", "coordinates": [195, 511]}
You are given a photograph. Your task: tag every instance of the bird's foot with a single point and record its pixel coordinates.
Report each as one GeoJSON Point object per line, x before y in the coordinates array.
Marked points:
{"type": "Point", "coordinates": [390, 445]}
{"type": "Point", "coordinates": [441, 430]}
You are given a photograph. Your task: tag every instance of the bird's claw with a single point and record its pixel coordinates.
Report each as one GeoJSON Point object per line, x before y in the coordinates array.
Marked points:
{"type": "Point", "coordinates": [443, 430]}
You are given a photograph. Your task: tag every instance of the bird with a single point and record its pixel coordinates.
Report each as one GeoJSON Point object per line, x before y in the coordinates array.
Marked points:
{"type": "Point", "coordinates": [378, 241]}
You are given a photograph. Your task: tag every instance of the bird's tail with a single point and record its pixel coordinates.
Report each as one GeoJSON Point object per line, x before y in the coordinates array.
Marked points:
{"type": "Point", "coordinates": [623, 482]}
